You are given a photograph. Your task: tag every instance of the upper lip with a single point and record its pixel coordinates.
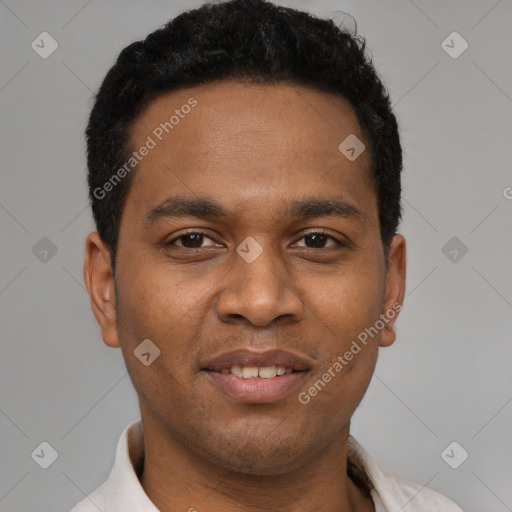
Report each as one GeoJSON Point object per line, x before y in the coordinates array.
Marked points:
{"type": "Point", "coordinates": [244, 357]}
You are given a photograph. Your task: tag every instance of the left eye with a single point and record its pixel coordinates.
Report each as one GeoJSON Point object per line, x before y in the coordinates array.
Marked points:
{"type": "Point", "coordinates": [319, 239]}
{"type": "Point", "coordinates": [311, 240]}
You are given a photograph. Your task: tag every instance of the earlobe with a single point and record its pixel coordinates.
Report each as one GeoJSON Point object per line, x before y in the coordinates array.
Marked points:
{"type": "Point", "coordinates": [99, 282]}
{"type": "Point", "coordinates": [388, 336]}
{"type": "Point", "coordinates": [395, 289]}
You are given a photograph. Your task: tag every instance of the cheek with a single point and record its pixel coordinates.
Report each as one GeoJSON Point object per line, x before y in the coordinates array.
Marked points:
{"type": "Point", "coordinates": [155, 298]}
{"type": "Point", "coordinates": [332, 397]}
{"type": "Point", "coordinates": [346, 308]}
{"type": "Point", "coordinates": [154, 305]}
{"type": "Point", "coordinates": [348, 302]}
{"type": "Point", "coordinates": [157, 303]}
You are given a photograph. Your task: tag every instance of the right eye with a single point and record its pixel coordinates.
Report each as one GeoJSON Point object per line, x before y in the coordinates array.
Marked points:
{"type": "Point", "coordinates": [191, 240]}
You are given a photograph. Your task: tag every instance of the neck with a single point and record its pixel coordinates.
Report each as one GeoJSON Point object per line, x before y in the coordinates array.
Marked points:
{"type": "Point", "coordinates": [176, 478]}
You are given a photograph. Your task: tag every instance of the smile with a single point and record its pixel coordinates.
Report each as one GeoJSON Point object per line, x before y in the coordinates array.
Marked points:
{"type": "Point", "coordinates": [255, 372]}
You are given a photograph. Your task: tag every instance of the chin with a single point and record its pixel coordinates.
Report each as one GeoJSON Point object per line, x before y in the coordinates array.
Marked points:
{"type": "Point", "coordinates": [259, 457]}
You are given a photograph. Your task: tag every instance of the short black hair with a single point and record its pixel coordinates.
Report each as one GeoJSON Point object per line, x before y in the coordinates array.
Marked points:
{"type": "Point", "coordinates": [246, 40]}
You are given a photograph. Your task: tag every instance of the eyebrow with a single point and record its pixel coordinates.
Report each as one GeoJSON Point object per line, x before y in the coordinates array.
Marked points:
{"type": "Point", "coordinates": [208, 208]}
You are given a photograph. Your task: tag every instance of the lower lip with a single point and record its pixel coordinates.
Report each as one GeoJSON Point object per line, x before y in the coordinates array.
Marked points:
{"type": "Point", "coordinates": [257, 390]}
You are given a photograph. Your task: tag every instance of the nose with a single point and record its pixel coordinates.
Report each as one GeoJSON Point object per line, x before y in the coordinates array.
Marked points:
{"type": "Point", "coordinates": [259, 292]}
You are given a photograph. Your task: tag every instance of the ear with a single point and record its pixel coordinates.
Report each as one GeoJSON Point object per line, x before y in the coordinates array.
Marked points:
{"type": "Point", "coordinates": [395, 289]}
{"type": "Point", "coordinates": [99, 280]}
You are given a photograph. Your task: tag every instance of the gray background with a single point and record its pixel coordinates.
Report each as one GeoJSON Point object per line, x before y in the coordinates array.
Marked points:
{"type": "Point", "coordinates": [447, 378]}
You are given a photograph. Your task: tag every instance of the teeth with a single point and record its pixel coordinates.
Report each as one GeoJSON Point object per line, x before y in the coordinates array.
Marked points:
{"type": "Point", "coordinates": [249, 372]}
{"type": "Point", "coordinates": [253, 372]}
{"type": "Point", "coordinates": [267, 372]}
{"type": "Point", "coordinates": [236, 370]}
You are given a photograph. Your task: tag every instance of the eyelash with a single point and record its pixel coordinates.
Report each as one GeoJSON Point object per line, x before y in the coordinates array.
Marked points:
{"type": "Point", "coordinates": [202, 233]}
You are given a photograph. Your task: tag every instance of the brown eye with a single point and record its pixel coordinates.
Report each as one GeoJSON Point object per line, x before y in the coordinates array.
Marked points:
{"type": "Point", "coordinates": [193, 240]}
{"type": "Point", "coordinates": [318, 241]}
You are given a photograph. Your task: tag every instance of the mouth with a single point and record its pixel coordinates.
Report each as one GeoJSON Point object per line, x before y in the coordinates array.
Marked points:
{"type": "Point", "coordinates": [257, 377]}
{"type": "Point", "coordinates": [255, 372]}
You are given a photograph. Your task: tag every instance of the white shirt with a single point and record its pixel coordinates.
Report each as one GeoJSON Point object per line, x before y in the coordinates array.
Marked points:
{"type": "Point", "coordinates": [122, 492]}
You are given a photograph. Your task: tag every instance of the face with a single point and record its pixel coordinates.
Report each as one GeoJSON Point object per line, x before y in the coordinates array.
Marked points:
{"type": "Point", "coordinates": [246, 229]}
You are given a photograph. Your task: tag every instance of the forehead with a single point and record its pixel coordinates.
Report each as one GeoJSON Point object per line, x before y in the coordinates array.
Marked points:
{"type": "Point", "coordinates": [247, 143]}
{"type": "Point", "coordinates": [245, 115]}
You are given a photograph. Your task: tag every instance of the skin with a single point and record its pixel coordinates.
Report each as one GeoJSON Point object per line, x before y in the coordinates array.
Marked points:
{"type": "Point", "coordinates": [254, 149]}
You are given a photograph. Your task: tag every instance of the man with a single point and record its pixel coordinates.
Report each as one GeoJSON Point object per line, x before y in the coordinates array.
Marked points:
{"type": "Point", "coordinates": [244, 174]}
